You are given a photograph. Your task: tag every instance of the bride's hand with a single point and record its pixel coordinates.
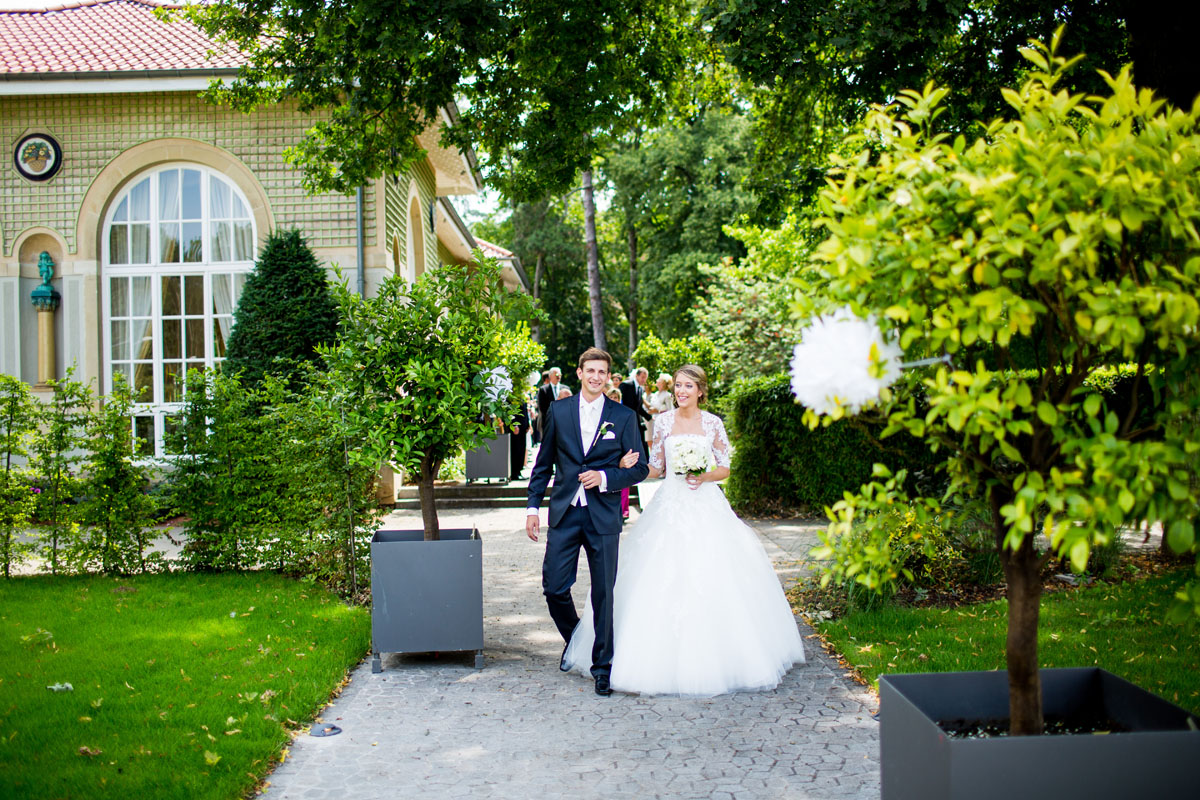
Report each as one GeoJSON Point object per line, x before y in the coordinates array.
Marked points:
{"type": "Point", "coordinates": [694, 481]}
{"type": "Point", "coordinates": [629, 459]}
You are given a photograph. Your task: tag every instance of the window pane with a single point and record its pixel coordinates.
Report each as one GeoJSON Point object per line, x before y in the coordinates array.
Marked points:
{"type": "Point", "coordinates": [120, 340]}
{"type": "Point", "coordinates": [193, 248]}
{"type": "Point", "coordinates": [168, 243]}
{"type": "Point", "coordinates": [239, 280]}
{"type": "Point", "coordinates": [118, 245]}
{"type": "Point", "coordinates": [143, 339]}
{"type": "Point", "coordinates": [118, 297]}
{"type": "Point", "coordinates": [222, 300]}
{"type": "Point", "coordinates": [221, 326]}
{"type": "Point", "coordinates": [121, 369]}
{"type": "Point", "coordinates": [139, 202]}
{"type": "Point", "coordinates": [170, 296]}
{"type": "Point", "coordinates": [243, 242]}
{"type": "Point", "coordinates": [172, 338]}
{"type": "Point", "coordinates": [191, 195]}
{"type": "Point", "coordinates": [222, 241]}
{"type": "Point", "coordinates": [172, 382]}
{"type": "Point", "coordinates": [168, 194]}
{"type": "Point", "coordinates": [218, 198]}
{"type": "Point", "coordinates": [122, 212]}
{"type": "Point", "coordinates": [239, 208]}
{"type": "Point", "coordinates": [195, 338]}
{"type": "Point", "coordinates": [140, 250]}
{"type": "Point", "coordinates": [141, 296]}
{"type": "Point", "coordinates": [193, 295]}
{"type": "Point", "coordinates": [143, 382]}
{"type": "Point", "coordinates": [143, 429]}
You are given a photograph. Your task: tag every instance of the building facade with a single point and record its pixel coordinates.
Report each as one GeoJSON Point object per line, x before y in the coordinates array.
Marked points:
{"type": "Point", "coordinates": [132, 209]}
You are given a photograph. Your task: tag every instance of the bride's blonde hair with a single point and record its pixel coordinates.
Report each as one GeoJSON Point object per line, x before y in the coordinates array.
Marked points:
{"type": "Point", "coordinates": [696, 374]}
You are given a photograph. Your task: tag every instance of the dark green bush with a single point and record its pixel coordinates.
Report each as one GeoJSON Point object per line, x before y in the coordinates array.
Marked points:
{"type": "Point", "coordinates": [781, 465]}
{"type": "Point", "coordinates": [284, 313]}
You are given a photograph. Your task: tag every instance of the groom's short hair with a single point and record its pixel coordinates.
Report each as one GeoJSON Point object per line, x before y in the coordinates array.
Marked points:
{"type": "Point", "coordinates": [595, 354]}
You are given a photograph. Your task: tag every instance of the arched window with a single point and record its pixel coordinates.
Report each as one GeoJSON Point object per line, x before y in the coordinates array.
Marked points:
{"type": "Point", "coordinates": [416, 236]}
{"type": "Point", "coordinates": [177, 244]}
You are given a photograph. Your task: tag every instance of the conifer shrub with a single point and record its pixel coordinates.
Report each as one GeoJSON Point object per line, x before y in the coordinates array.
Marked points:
{"type": "Point", "coordinates": [284, 313]}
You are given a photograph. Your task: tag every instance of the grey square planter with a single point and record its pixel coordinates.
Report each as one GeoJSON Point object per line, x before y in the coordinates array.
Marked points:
{"type": "Point", "coordinates": [426, 596]}
{"type": "Point", "coordinates": [490, 459]}
{"type": "Point", "coordinates": [1156, 758]}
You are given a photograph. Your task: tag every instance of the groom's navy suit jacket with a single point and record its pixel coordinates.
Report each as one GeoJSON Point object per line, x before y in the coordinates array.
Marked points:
{"type": "Point", "coordinates": [562, 448]}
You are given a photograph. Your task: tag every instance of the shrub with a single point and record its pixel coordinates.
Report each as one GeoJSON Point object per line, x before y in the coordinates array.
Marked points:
{"type": "Point", "coordinates": [780, 464]}
{"type": "Point", "coordinates": [58, 450]}
{"type": "Point", "coordinates": [116, 507]}
{"type": "Point", "coordinates": [285, 311]}
{"type": "Point", "coordinates": [17, 421]}
{"type": "Point", "coordinates": [658, 356]}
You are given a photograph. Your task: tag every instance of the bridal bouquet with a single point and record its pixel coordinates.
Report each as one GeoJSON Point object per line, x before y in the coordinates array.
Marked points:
{"type": "Point", "coordinates": [690, 457]}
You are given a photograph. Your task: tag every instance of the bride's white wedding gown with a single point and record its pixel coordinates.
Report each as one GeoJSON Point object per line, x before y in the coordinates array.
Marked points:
{"type": "Point", "coordinates": [698, 608]}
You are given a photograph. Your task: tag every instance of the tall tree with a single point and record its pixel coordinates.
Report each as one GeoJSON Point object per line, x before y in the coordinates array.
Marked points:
{"type": "Point", "coordinates": [819, 64]}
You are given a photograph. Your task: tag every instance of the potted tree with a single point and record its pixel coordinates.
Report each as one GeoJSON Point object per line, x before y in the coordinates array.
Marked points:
{"type": "Point", "coordinates": [1028, 264]}
{"type": "Point", "coordinates": [420, 366]}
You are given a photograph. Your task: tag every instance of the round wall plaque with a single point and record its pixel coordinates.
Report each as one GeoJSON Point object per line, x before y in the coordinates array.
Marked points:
{"type": "Point", "coordinates": [38, 157]}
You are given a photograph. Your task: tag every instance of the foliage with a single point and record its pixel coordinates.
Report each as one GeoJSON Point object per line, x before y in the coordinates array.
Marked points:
{"type": "Point", "coordinates": [412, 364]}
{"type": "Point", "coordinates": [543, 82]}
{"type": "Point", "coordinates": [284, 313]}
{"type": "Point", "coordinates": [743, 313]}
{"type": "Point", "coordinates": [1118, 627]}
{"type": "Point", "coordinates": [58, 449]}
{"type": "Point", "coordinates": [817, 66]}
{"type": "Point", "coordinates": [659, 356]}
{"type": "Point", "coordinates": [17, 421]}
{"type": "Point", "coordinates": [521, 356]}
{"type": "Point", "coordinates": [677, 188]}
{"type": "Point", "coordinates": [278, 489]}
{"type": "Point", "coordinates": [1072, 223]}
{"type": "Point", "coordinates": [779, 464]}
{"type": "Point", "coordinates": [116, 511]}
{"type": "Point", "coordinates": [191, 687]}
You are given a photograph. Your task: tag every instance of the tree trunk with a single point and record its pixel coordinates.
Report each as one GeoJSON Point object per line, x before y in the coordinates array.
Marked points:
{"type": "Point", "coordinates": [633, 295]}
{"type": "Point", "coordinates": [538, 272]}
{"type": "Point", "coordinates": [1022, 571]}
{"type": "Point", "coordinates": [429, 471]}
{"type": "Point", "coordinates": [595, 298]}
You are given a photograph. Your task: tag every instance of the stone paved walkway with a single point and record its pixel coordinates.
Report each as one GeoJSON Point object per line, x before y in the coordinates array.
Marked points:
{"type": "Point", "coordinates": [435, 728]}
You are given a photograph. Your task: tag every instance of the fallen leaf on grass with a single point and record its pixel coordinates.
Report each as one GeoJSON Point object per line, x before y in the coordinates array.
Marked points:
{"type": "Point", "coordinates": [84, 750]}
{"type": "Point", "coordinates": [232, 732]}
{"type": "Point", "coordinates": [211, 758]}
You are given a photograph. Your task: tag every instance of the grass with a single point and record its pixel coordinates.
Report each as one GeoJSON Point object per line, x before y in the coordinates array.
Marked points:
{"type": "Point", "coordinates": [184, 686]}
{"type": "Point", "coordinates": [1118, 627]}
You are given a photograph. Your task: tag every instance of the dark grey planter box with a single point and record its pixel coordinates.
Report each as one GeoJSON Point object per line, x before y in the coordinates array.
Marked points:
{"type": "Point", "coordinates": [426, 596]}
{"type": "Point", "coordinates": [1156, 758]}
{"type": "Point", "coordinates": [490, 459]}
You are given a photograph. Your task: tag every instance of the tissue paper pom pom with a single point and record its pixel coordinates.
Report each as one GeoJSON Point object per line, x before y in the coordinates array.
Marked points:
{"type": "Point", "coordinates": [497, 384]}
{"type": "Point", "coordinates": [843, 362]}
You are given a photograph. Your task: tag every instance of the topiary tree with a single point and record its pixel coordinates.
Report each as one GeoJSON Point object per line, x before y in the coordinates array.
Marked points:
{"type": "Point", "coordinates": [285, 312]}
{"type": "Point", "coordinates": [1072, 224]}
{"type": "Point", "coordinates": [413, 367]}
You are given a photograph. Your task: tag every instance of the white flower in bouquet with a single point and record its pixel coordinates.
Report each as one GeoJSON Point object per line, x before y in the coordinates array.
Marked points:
{"type": "Point", "coordinates": [690, 456]}
{"type": "Point", "coordinates": [843, 363]}
{"type": "Point", "coordinates": [497, 384]}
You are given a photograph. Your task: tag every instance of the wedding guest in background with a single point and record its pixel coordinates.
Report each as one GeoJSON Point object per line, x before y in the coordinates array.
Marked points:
{"type": "Point", "coordinates": [516, 453]}
{"type": "Point", "coordinates": [614, 393]}
{"type": "Point", "coordinates": [564, 392]}
{"type": "Point", "coordinates": [661, 399]}
{"type": "Point", "coordinates": [547, 394]}
{"type": "Point", "coordinates": [633, 397]}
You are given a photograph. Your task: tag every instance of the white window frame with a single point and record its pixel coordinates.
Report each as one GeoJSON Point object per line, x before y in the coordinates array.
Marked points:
{"type": "Point", "coordinates": [157, 408]}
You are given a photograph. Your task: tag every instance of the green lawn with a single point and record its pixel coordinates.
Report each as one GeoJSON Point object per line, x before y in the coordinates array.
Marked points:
{"type": "Point", "coordinates": [185, 686]}
{"type": "Point", "coordinates": [1117, 627]}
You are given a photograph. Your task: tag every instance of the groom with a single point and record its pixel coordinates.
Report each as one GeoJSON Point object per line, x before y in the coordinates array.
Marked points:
{"type": "Point", "coordinates": [582, 443]}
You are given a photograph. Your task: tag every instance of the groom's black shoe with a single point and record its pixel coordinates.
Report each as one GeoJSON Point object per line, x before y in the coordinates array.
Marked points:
{"type": "Point", "coordinates": [602, 687]}
{"type": "Point", "coordinates": [562, 660]}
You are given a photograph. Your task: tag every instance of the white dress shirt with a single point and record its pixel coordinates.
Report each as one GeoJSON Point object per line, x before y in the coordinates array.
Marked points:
{"type": "Point", "coordinates": [589, 421]}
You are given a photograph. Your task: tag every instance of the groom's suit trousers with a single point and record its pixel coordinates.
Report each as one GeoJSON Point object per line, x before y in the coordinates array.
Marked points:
{"type": "Point", "coordinates": [559, 567]}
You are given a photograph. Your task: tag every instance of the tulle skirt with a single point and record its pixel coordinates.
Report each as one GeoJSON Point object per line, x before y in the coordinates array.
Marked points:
{"type": "Point", "coordinates": [698, 608]}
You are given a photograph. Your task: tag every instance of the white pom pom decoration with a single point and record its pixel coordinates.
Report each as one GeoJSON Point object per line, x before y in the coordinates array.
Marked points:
{"type": "Point", "coordinates": [497, 384]}
{"type": "Point", "coordinates": [843, 363]}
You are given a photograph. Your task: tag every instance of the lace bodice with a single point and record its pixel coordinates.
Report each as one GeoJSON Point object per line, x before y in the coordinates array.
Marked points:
{"type": "Point", "coordinates": [714, 432]}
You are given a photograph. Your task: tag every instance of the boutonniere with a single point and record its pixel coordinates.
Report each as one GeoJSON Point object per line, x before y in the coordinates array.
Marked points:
{"type": "Point", "coordinates": [605, 429]}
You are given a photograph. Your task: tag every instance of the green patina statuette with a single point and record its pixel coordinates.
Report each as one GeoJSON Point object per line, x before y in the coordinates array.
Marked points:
{"type": "Point", "coordinates": [45, 297]}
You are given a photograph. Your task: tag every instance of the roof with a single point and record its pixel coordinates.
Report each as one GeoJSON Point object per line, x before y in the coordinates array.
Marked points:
{"type": "Point", "coordinates": [513, 263]}
{"type": "Point", "coordinates": [105, 36]}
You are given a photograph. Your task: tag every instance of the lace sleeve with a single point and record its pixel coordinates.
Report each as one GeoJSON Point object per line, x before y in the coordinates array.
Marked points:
{"type": "Point", "coordinates": [662, 427]}
{"type": "Point", "coordinates": [720, 442]}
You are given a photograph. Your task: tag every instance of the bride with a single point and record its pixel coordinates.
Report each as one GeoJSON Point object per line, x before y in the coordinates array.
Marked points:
{"type": "Point", "coordinates": [698, 608]}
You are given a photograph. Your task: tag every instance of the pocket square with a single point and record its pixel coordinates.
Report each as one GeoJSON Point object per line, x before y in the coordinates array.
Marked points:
{"type": "Point", "coordinates": [609, 435]}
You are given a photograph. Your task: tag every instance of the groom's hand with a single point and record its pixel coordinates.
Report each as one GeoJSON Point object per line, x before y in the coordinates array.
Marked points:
{"type": "Point", "coordinates": [591, 479]}
{"type": "Point", "coordinates": [531, 527]}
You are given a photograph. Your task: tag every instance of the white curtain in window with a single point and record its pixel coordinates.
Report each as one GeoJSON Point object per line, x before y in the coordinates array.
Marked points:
{"type": "Point", "coordinates": [222, 305]}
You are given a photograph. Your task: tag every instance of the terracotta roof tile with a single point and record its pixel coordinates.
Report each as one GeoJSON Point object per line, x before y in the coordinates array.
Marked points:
{"type": "Point", "coordinates": [104, 36]}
